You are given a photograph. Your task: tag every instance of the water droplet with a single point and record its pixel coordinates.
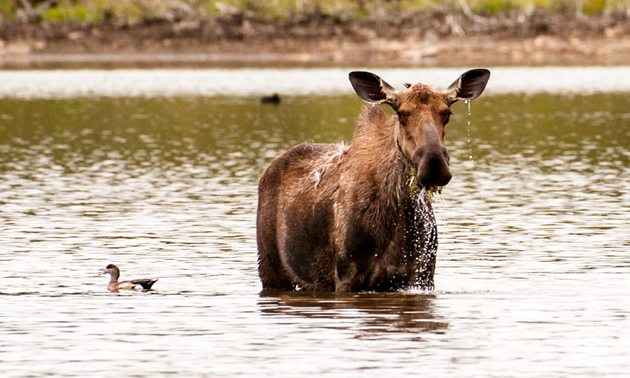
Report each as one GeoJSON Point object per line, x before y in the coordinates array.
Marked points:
{"type": "Point", "coordinates": [470, 147]}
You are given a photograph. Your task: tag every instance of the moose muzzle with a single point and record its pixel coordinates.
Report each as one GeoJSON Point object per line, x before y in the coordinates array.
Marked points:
{"type": "Point", "coordinates": [432, 161]}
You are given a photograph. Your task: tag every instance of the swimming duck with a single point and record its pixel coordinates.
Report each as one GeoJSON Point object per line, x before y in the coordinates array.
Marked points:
{"type": "Point", "coordinates": [272, 99]}
{"type": "Point", "coordinates": [115, 285]}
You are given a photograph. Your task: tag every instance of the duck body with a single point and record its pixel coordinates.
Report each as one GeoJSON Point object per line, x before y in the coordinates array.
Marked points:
{"type": "Point", "coordinates": [115, 285]}
{"type": "Point", "coordinates": [272, 99]}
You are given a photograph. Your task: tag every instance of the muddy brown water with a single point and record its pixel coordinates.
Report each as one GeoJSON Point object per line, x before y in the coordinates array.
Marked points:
{"type": "Point", "coordinates": [533, 272]}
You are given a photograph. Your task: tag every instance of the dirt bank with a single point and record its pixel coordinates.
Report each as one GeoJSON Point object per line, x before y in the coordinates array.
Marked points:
{"type": "Point", "coordinates": [451, 40]}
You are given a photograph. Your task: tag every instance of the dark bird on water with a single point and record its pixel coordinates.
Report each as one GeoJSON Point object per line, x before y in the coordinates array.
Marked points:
{"type": "Point", "coordinates": [273, 99]}
{"type": "Point", "coordinates": [115, 285]}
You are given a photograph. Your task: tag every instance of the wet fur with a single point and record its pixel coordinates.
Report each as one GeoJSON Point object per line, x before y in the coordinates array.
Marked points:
{"type": "Point", "coordinates": [341, 218]}
{"type": "Point", "coordinates": [337, 218]}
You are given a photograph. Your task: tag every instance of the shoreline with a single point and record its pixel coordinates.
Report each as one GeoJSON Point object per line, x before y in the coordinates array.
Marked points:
{"type": "Point", "coordinates": [451, 42]}
{"type": "Point", "coordinates": [473, 51]}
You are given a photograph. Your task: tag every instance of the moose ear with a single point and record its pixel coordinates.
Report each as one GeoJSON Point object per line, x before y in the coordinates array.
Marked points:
{"type": "Point", "coordinates": [373, 89]}
{"type": "Point", "coordinates": [469, 86]}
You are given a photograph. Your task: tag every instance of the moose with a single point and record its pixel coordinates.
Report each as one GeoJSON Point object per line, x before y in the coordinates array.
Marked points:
{"type": "Point", "coordinates": [358, 217]}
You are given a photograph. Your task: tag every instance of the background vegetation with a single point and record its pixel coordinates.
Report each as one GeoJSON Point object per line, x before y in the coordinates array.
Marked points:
{"type": "Point", "coordinates": [147, 11]}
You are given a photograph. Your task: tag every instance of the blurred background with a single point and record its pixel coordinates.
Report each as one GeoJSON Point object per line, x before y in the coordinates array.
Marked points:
{"type": "Point", "coordinates": [314, 32]}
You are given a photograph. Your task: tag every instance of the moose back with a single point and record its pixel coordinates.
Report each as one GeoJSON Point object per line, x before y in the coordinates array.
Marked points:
{"type": "Point", "coordinates": [357, 217]}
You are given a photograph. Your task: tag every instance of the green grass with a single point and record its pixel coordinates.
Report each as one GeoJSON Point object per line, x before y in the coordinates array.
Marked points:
{"type": "Point", "coordinates": [71, 14]}
{"type": "Point", "coordinates": [138, 11]}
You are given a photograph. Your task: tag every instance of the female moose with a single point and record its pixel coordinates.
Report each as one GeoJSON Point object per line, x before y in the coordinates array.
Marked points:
{"type": "Point", "coordinates": [351, 218]}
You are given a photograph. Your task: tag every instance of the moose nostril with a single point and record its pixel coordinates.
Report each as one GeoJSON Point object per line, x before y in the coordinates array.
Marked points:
{"type": "Point", "coordinates": [425, 152]}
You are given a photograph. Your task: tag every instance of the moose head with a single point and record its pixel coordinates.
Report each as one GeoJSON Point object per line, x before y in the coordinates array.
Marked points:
{"type": "Point", "coordinates": [422, 114]}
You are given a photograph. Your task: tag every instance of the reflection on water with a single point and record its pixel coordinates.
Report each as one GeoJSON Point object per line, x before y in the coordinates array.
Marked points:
{"type": "Point", "coordinates": [533, 267]}
{"type": "Point", "coordinates": [366, 313]}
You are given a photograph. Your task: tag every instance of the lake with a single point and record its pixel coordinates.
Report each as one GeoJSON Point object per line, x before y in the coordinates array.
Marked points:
{"type": "Point", "coordinates": [156, 171]}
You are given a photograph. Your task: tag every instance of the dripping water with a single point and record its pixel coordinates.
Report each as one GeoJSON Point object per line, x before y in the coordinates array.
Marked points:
{"type": "Point", "coordinates": [469, 139]}
{"type": "Point", "coordinates": [441, 207]}
{"type": "Point", "coordinates": [425, 236]}
{"type": "Point", "coordinates": [470, 147]}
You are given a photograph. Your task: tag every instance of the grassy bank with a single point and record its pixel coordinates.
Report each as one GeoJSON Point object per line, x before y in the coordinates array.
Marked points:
{"type": "Point", "coordinates": [132, 12]}
{"type": "Point", "coordinates": [315, 32]}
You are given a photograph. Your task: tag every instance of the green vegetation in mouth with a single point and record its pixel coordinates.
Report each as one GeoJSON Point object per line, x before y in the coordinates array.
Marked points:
{"type": "Point", "coordinates": [140, 11]}
{"type": "Point", "coordinates": [412, 182]}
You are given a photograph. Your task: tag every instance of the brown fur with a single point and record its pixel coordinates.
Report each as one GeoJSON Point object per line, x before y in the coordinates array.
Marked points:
{"type": "Point", "coordinates": [370, 176]}
{"type": "Point", "coordinates": [343, 218]}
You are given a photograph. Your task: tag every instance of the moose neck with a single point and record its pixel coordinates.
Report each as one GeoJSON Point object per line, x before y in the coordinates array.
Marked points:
{"type": "Point", "coordinates": [383, 179]}
{"type": "Point", "coordinates": [383, 166]}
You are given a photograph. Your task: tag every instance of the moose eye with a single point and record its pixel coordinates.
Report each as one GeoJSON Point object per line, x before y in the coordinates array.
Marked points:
{"type": "Point", "coordinates": [446, 117]}
{"type": "Point", "coordinates": [401, 116]}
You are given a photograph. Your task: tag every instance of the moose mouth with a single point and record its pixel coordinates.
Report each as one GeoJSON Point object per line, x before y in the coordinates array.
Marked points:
{"type": "Point", "coordinates": [415, 188]}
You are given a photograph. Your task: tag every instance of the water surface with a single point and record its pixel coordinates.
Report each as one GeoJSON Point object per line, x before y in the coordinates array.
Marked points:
{"type": "Point", "coordinates": [533, 267]}
{"type": "Point", "coordinates": [320, 82]}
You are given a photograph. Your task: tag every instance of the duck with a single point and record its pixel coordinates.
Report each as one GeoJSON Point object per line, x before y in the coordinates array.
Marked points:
{"type": "Point", "coordinates": [272, 99]}
{"type": "Point", "coordinates": [115, 285]}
